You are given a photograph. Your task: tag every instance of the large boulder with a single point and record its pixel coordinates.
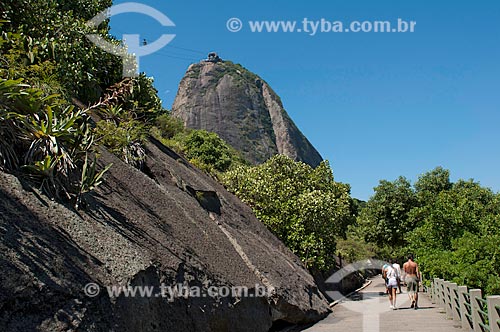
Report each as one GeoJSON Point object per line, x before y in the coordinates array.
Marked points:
{"type": "Point", "coordinates": [170, 225]}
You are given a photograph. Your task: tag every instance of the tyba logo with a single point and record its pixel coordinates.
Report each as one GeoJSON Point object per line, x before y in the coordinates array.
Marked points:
{"type": "Point", "coordinates": [133, 50]}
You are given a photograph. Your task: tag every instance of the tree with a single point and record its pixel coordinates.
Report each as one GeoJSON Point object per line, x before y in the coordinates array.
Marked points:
{"type": "Point", "coordinates": [434, 181]}
{"type": "Point", "coordinates": [453, 228]}
{"type": "Point", "coordinates": [431, 184]}
{"type": "Point", "coordinates": [354, 247]}
{"type": "Point", "coordinates": [385, 218]}
{"type": "Point", "coordinates": [458, 234]}
{"type": "Point", "coordinates": [449, 214]}
{"type": "Point", "coordinates": [302, 206]}
{"type": "Point", "coordinates": [58, 35]}
{"type": "Point", "coordinates": [477, 261]}
{"type": "Point", "coordinates": [208, 149]}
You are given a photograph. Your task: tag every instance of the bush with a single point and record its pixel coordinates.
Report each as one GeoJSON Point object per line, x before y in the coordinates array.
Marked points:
{"type": "Point", "coordinates": [205, 150]}
{"type": "Point", "coordinates": [125, 140]}
{"type": "Point", "coordinates": [44, 138]}
{"type": "Point", "coordinates": [83, 69]}
{"type": "Point", "coordinates": [303, 206]}
{"type": "Point", "coordinates": [208, 149]}
{"type": "Point", "coordinates": [168, 126]}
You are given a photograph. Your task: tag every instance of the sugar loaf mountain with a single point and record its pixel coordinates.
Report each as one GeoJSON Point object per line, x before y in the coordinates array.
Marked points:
{"type": "Point", "coordinates": [225, 98]}
{"type": "Point", "coordinates": [168, 223]}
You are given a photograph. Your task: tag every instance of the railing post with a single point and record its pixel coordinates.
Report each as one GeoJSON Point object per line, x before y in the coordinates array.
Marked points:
{"type": "Point", "coordinates": [476, 316]}
{"type": "Point", "coordinates": [462, 290]}
{"type": "Point", "coordinates": [493, 316]}
{"type": "Point", "coordinates": [455, 305]}
{"type": "Point", "coordinates": [447, 300]}
{"type": "Point", "coordinates": [440, 292]}
{"type": "Point", "coordinates": [435, 295]}
{"type": "Point", "coordinates": [431, 292]}
{"type": "Point", "coordinates": [443, 293]}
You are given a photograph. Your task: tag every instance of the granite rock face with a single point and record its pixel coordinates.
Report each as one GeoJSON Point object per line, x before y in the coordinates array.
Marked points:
{"type": "Point", "coordinates": [170, 225]}
{"type": "Point", "coordinates": [243, 110]}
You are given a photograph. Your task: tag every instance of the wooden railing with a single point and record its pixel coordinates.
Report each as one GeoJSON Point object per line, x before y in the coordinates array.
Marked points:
{"type": "Point", "coordinates": [467, 306]}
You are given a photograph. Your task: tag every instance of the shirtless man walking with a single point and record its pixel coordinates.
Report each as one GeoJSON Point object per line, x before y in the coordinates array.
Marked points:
{"type": "Point", "coordinates": [412, 279]}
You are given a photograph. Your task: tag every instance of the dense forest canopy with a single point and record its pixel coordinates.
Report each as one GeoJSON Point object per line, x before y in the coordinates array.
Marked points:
{"type": "Point", "coordinates": [453, 228]}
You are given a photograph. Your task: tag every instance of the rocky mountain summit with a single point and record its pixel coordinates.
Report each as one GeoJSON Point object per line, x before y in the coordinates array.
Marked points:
{"type": "Point", "coordinates": [239, 106]}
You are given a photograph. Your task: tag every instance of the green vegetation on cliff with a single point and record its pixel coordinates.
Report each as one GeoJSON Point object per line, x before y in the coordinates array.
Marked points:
{"type": "Point", "coordinates": [54, 86]}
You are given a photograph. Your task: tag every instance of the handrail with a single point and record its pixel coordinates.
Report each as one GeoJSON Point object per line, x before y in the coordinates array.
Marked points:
{"type": "Point", "coordinates": [468, 306]}
{"type": "Point", "coordinates": [483, 314]}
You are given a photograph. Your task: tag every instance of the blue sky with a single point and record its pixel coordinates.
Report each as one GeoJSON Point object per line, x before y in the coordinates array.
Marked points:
{"type": "Point", "coordinates": [376, 105]}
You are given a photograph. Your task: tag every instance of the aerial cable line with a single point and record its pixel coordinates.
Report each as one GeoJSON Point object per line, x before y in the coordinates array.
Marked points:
{"type": "Point", "coordinates": [181, 55]}
{"type": "Point", "coordinates": [173, 56]}
{"type": "Point", "coordinates": [186, 49]}
{"type": "Point", "coordinates": [168, 45]}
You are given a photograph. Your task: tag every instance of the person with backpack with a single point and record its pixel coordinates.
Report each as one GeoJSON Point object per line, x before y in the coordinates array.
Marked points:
{"type": "Point", "coordinates": [389, 274]}
{"type": "Point", "coordinates": [397, 267]}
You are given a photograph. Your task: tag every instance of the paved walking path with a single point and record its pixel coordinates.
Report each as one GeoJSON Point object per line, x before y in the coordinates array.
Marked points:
{"type": "Point", "coordinates": [370, 312]}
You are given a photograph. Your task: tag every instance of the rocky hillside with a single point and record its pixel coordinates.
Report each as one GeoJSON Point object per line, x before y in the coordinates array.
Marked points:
{"type": "Point", "coordinates": [171, 224]}
{"type": "Point", "coordinates": [243, 109]}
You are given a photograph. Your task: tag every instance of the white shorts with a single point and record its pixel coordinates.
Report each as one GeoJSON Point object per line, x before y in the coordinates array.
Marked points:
{"type": "Point", "coordinates": [392, 283]}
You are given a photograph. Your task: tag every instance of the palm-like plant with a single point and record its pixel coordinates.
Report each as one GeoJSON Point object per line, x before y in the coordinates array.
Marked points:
{"type": "Point", "coordinates": [8, 157]}
{"type": "Point", "coordinates": [111, 113]}
{"type": "Point", "coordinates": [10, 90]}
{"type": "Point", "coordinates": [90, 179]}
{"type": "Point", "coordinates": [47, 140]}
{"type": "Point", "coordinates": [51, 133]}
{"type": "Point", "coordinates": [44, 172]}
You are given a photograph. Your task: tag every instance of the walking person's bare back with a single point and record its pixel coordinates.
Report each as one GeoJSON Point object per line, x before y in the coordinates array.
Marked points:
{"type": "Point", "coordinates": [410, 268]}
{"type": "Point", "coordinates": [412, 279]}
